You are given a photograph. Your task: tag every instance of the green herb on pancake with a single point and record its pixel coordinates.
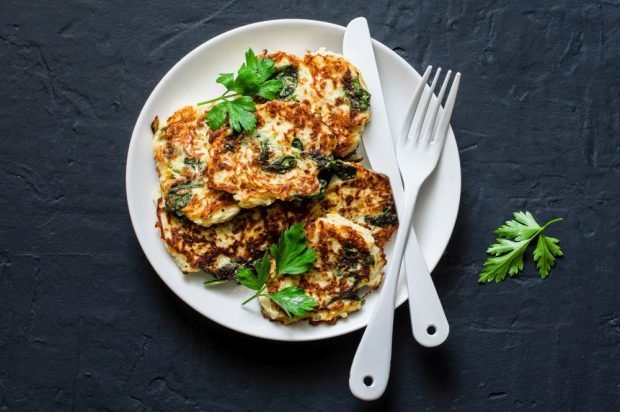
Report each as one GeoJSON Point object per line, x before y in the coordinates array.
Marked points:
{"type": "Point", "coordinates": [179, 196]}
{"type": "Point", "coordinates": [344, 171]}
{"type": "Point", "coordinates": [387, 217]}
{"type": "Point", "coordinates": [297, 144]}
{"type": "Point", "coordinates": [293, 300]}
{"type": "Point", "coordinates": [195, 163]}
{"type": "Point", "coordinates": [288, 76]}
{"type": "Point", "coordinates": [253, 79]}
{"type": "Point", "coordinates": [280, 165]}
{"type": "Point", "coordinates": [357, 95]}
{"type": "Point", "coordinates": [292, 256]}
{"type": "Point", "coordinates": [339, 168]}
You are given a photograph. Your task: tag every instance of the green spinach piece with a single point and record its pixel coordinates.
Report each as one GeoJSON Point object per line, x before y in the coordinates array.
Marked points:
{"type": "Point", "coordinates": [280, 165]}
{"type": "Point", "coordinates": [387, 217]}
{"type": "Point", "coordinates": [288, 76]}
{"type": "Point", "coordinates": [350, 295]}
{"type": "Point", "coordinates": [194, 163]}
{"type": "Point", "coordinates": [344, 171]}
{"type": "Point", "coordinates": [357, 95]}
{"type": "Point", "coordinates": [179, 196]}
{"type": "Point", "coordinates": [297, 144]}
{"type": "Point", "coordinates": [337, 167]}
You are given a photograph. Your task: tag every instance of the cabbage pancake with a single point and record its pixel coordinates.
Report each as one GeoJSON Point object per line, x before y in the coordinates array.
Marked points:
{"type": "Point", "coordinates": [362, 196]}
{"type": "Point", "coordinates": [347, 260]}
{"type": "Point", "coordinates": [181, 156]}
{"type": "Point", "coordinates": [332, 87]}
{"type": "Point", "coordinates": [221, 249]}
{"type": "Point", "coordinates": [276, 161]}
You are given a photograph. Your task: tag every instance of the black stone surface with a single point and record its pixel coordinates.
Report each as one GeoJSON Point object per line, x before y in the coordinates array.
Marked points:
{"type": "Point", "coordinates": [86, 324]}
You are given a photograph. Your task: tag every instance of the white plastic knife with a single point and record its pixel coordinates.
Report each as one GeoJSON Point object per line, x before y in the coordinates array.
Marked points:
{"type": "Point", "coordinates": [426, 312]}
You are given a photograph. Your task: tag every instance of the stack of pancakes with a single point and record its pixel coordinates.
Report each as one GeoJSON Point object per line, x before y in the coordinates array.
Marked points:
{"type": "Point", "coordinates": [225, 196]}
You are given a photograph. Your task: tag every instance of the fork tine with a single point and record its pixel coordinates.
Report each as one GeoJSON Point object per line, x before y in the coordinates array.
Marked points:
{"type": "Point", "coordinates": [430, 122]}
{"type": "Point", "coordinates": [420, 114]}
{"type": "Point", "coordinates": [413, 105]}
{"type": "Point", "coordinates": [442, 129]}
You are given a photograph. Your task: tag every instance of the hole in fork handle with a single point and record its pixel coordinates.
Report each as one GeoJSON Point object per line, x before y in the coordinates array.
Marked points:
{"type": "Point", "coordinates": [368, 380]}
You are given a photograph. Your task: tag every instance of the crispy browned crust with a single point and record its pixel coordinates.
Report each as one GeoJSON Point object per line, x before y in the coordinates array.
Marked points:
{"type": "Point", "coordinates": [368, 194]}
{"type": "Point", "coordinates": [327, 260]}
{"type": "Point", "coordinates": [238, 157]}
{"type": "Point", "coordinates": [184, 134]}
{"type": "Point", "coordinates": [336, 294]}
{"type": "Point", "coordinates": [329, 72]}
{"type": "Point", "coordinates": [181, 133]}
{"type": "Point", "coordinates": [241, 240]}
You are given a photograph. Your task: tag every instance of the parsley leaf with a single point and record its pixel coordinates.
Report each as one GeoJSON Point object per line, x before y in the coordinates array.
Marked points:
{"type": "Point", "coordinates": [292, 254]}
{"type": "Point", "coordinates": [522, 227]}
{"type": "Point", "coordinates": [293, 301]}
{"type": "Point", "coordinates": [270, 89]}
{"type": "Point", "coordinates": [239, 112]}
{"type": "Point", "coordinates": [226, 79]}
{"type": "Point", "coordinates": [216, 116]}
{"type": "Point", "coordinates": [247, 277]}
{"type": "Point", "coordinates": [509, 249]}
{"type": "Point", "coordinates": [546, 250]}
{"type": "Point", "coordinates": [293, 257]}
{"type": "Point", "coordinates": [253, 78]}
{"type": "Point", "coordinates": [252, 74]}
{"type": "Point", "coordinates": [508, 259]}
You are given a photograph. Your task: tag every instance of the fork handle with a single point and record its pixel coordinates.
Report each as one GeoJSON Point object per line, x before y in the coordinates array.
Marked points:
{"type": "Point", "coordinates": [370, 370]}
{"type": "Point", "coordinates": [428, 320]}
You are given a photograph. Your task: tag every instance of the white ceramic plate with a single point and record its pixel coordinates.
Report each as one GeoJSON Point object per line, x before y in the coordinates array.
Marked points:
{"type": "Point", "coordinates": [192, 80]}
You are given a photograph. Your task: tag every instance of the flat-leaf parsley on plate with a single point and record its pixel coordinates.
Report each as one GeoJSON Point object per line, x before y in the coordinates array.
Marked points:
{"type": "Point", "coordinates": [292, 256]}
{"type": "Point", "coordinates": [253, 80]}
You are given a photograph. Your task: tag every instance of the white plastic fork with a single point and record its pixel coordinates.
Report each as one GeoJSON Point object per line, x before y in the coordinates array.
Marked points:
{"type": "Point", "coordinates": [418, 149]}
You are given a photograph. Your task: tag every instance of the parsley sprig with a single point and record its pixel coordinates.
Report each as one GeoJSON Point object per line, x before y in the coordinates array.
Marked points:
{"type": "Point", "coordinates": [514, 238]}
{"type": "Point", "coordinates": [292, 256]}
{"type": "Point", "coordinates": [253, 80]}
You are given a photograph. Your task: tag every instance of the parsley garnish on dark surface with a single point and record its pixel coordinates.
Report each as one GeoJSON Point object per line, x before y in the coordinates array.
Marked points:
{"type": "Point", "coordinates": [509, 248]}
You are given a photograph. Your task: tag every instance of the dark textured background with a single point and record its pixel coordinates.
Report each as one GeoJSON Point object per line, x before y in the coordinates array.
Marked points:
{"type": "Point", "coordinates": [85, 323]}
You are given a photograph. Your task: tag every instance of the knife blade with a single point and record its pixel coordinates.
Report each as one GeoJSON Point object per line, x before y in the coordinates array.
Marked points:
{"type": "Point", "coordinates": [357, 48]}
{"type": "Point", "coordinates": [425, 307]}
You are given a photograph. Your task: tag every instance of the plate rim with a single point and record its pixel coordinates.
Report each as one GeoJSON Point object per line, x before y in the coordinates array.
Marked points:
{"type": "Point", "coordinates": [132, 148]}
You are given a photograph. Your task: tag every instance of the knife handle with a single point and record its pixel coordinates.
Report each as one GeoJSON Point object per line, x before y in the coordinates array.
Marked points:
{"type": "Point", "coordinates": [370, 370]}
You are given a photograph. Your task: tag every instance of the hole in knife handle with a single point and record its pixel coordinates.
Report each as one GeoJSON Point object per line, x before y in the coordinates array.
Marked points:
{"type": "Point", "coordinates": [431, 330]}
{"type": "Point", "coordinates": [368, 380]}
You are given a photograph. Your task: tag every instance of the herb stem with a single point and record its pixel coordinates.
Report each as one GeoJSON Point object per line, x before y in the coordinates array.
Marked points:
{"type": "Point", "coordinates": [550, 223]}
{"type": "Point", "coordinates": [543, 227]}
{"type": "Point", "coordinates": [224, 96]}
{"type": "Point", "coordinates": [257, 294]}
